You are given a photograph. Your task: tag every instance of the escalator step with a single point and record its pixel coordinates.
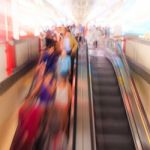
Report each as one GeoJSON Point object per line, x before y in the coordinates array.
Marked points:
{"type": "Point", "coordinates": [112, 127]}
{"type": "Point", "coordinates": [97, 64]}
{"type": "Point", "coordinates": [106, 90]}
{"type": "Point", "coordinates": [104, 81]}
{"type": "Point", "coordinates": [115, 142]}
{"type": "Point", "coordinates": [102, 72]}
{"type": "Point", "coordinates": [95, 59]}
{"type": "Point", "coordinates": [111, 124]}
{"type": "Point", "coordinates": [112, 101]}
{"type": "Point", "coordinates": [104, 66]}
{"type": "Point", "coordinates": [107, 113]}
{"type": "Point", "coordinates": [105, 75]}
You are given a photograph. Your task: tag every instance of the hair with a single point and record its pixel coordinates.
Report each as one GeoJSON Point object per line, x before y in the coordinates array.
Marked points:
{"type": "Point", "coordinates": [67, 29]}
{"type": "Point", "coordinates": [51, 43]}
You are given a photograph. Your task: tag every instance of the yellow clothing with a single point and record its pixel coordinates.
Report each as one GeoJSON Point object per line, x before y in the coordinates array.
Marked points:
{"type": "Point", "coordinates": [73, 44]}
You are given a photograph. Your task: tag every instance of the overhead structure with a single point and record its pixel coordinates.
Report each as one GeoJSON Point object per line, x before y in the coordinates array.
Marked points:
{"type": "Point", "coordinates": [127, 15]}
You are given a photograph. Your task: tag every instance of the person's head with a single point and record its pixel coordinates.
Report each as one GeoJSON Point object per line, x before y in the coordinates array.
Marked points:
{"type": "Point", "coordinates": [68, 29]}
{"type": "Point", "coordinates": [54, 37]}
{"type": "Point", "coordinates": [68, 32]}
{"type": "Point", "coordinates": [65, 31]}
{"type": "Point", "coordinates": [49, 35]}
{"type": "Point", "coordinates": [51, 46]}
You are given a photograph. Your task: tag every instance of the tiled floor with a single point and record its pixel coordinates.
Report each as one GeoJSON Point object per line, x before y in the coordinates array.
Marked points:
{"type": "Point", "coordinates": [10, 102]}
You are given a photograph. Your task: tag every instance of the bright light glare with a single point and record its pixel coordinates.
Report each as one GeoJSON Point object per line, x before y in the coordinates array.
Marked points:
{"type": "Point", "coordinates": [27, 15]}
{"type": "Point", "coordinates": [133, 16]}
{"type": "Point", "coordinates": [35, 14]}
{"type": "Point", "coordinates": [63, 9]}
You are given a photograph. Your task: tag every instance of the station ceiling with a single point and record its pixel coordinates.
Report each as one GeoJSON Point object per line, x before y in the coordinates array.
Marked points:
{"type": "Point", "coordinates": [129, 14]}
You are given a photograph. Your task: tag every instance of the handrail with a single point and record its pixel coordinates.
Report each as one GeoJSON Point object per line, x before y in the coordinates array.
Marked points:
{"type": "Point", "coordinates": [127, 104]}
{"type": "Point", "coordinates": [140, 40]}
{"type": "Point", "coordinates": [139, 69]}
{"type": "Point", "coordinates": [73, 113]}
{"type": "Point", "coordinates": [131, 79]}
{"type": "Point", "coordinates": [139, 118]}
{"type": "Point", "coordinates": [138, 100]}
{"type": "Point", "coordinates": [93, 135]}
{"type": "Point", "coordinates": [75, 104]}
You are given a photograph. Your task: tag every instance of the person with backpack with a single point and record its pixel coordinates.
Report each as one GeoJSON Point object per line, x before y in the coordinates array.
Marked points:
{"type": "Point", "coordinates": [50, 58]}
{"type": "Point", "coordinates": [45, 89]}
{"type": "Point", "coordinates": [63, 64]}
{"type": "Point", "coordinates": [63, 97]}
{"type": "Point", "coordinates": [70, 45]}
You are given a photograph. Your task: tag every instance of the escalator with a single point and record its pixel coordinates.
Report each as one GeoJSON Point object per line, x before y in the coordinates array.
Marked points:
{"type": "Point", "coordinates": [111, 124]}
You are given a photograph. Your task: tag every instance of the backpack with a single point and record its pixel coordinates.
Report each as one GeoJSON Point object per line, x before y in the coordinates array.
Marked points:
{"type": "Point", "coordinates": [64, 64]}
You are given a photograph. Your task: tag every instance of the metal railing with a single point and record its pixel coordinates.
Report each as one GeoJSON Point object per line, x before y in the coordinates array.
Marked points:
{"type": "Point", "coordinates": [92, 118]}
{"type": "Point", "coordinates": [137, 117]}
{"type": "Point", "coordinates": [73, 112]}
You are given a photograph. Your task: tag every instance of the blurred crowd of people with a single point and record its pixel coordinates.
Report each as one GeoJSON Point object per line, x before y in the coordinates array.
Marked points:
{"type": "Point", "coordinates": [96, 34]}
{"type": "Point", "coordinates": [43, 118]}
